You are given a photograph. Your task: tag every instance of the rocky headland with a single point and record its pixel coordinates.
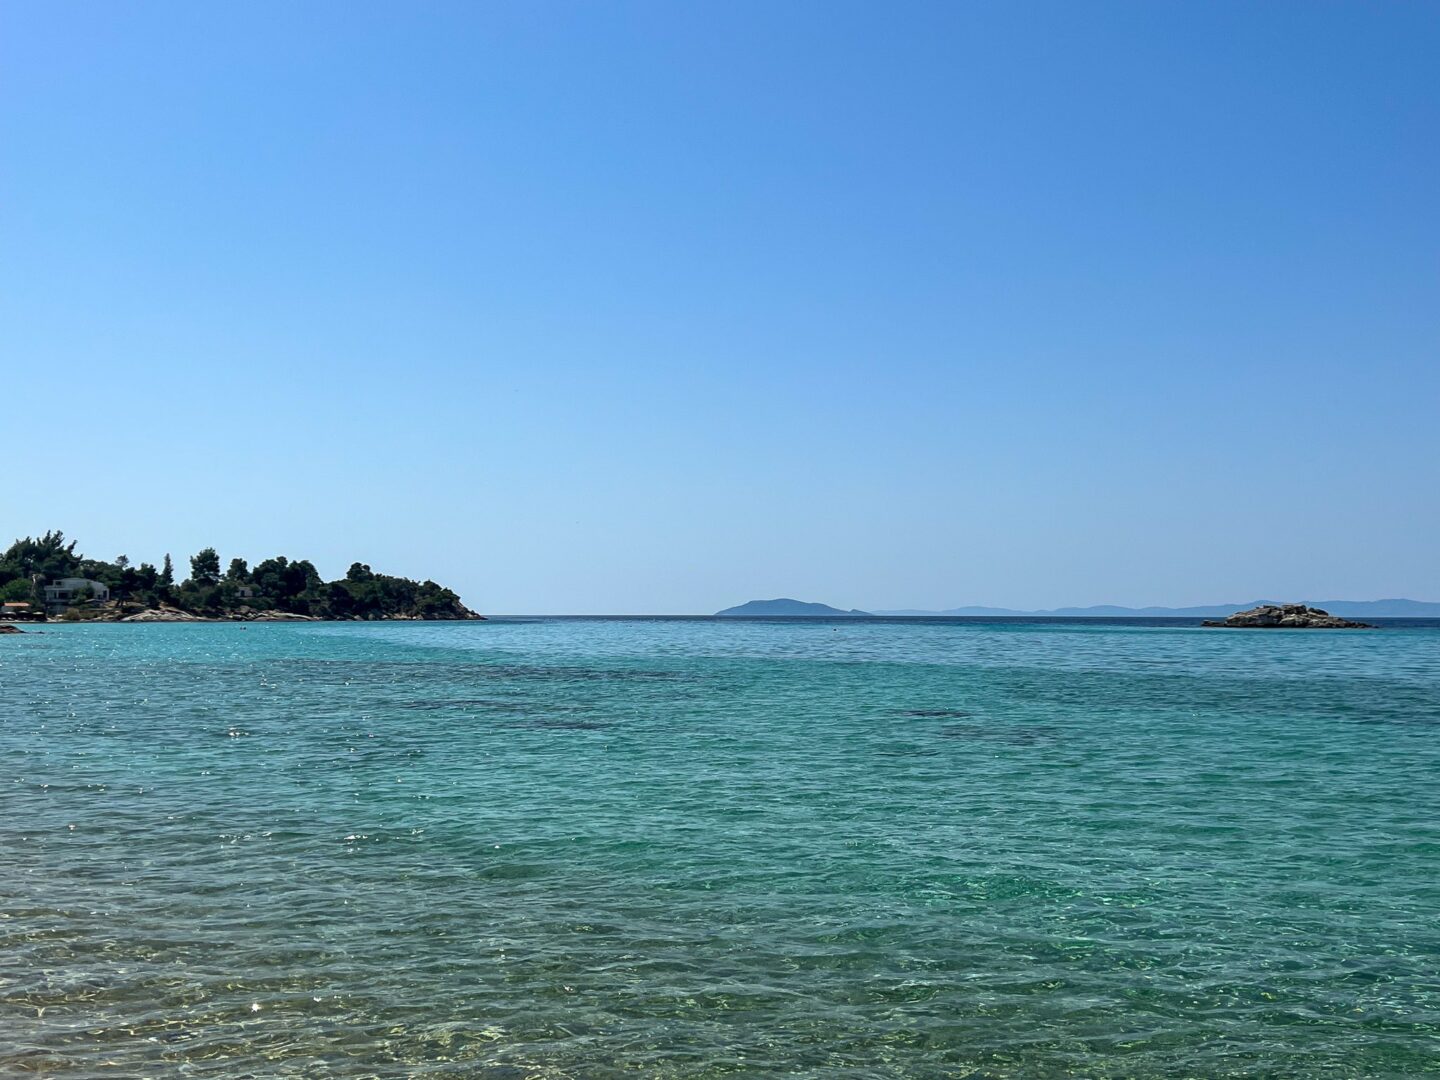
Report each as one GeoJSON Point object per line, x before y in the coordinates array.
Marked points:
{"type": "Point", "coordinates": [46, 578]}
{"type": "Point", "coordinates": [1287, 617]}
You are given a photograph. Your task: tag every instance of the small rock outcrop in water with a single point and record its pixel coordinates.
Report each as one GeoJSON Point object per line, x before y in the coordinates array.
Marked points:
{"type": "Point", "coordinates": [1289, 617]}
{"type": "Point", "coordinates": [10, 630]}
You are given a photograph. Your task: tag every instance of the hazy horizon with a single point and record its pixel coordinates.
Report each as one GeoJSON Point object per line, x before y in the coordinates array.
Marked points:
{"type": "Point", "coordinates": [659, 309]}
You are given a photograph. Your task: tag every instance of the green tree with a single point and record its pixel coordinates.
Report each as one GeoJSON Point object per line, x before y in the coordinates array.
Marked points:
{"type": "Point", "coordinates": [167, 573]}
{"type": "Point", "coordinates": [238, 571]}
{"type": "Point", "coordinates": [49, 556]}
{"type": "Point", "coordinates": [339, 602]}
{"type": "Point", "coordinates": [205, 567]}
{"type": "Point", "coordinates": [270, 577]}
{"type": "Point", "coordinates": [18, 589]}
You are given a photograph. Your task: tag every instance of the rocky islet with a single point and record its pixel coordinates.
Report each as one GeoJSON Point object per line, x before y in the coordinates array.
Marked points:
{"type": "Point", "coordinates": [1287, 617]}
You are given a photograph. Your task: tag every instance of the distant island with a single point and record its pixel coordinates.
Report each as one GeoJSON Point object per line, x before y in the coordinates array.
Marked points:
{"type": "Point", "coordinates": [786, 606]}
{"type": "Point", "coordinates": [1351, 609]}
{"type": "Point", "coordinates": [46, 577]}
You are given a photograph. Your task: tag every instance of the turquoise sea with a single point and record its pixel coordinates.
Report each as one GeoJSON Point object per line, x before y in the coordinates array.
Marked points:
{"type": "Point", "coordinates": [696, 848]}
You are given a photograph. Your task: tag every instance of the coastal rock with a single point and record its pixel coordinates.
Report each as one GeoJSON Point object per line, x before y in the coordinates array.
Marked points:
{"type": "Point", "coordinates": [162, 614]}
{"type": "Point", "coordinates": [11, 630]}
{"type": "Point", "coordinates": [248, 614]}
{"type": "Point", "coordinates": [1289, 617]}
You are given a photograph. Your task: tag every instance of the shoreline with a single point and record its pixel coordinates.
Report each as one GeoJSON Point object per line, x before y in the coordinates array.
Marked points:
{"type": "Point", "coordinates": [168, 616]}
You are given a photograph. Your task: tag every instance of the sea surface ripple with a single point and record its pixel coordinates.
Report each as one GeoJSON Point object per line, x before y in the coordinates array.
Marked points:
{"type": "Point", "coordinates": [604, 848]}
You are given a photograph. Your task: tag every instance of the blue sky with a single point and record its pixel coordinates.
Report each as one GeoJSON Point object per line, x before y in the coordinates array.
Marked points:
{"type": "Point", "coordinates": [660, 307]}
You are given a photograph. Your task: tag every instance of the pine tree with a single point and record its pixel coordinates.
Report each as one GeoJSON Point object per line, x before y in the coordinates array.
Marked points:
{"type": "Point", "coordinates": [205, 567]}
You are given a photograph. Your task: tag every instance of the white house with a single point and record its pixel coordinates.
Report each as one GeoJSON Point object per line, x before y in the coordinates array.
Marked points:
{"type": "Point", "coordinates": [70, 589]}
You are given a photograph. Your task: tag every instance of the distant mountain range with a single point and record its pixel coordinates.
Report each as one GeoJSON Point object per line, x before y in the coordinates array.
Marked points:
{"type": "Point", "coordinates": [786, 606]}
{"type": "Point", "coordinates": [1350, 609]}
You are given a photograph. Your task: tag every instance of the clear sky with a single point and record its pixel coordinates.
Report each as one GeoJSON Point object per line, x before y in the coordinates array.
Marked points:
{"type": "Point", "coordinates": [661, 307]}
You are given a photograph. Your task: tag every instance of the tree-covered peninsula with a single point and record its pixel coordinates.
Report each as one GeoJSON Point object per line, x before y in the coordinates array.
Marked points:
{"type": "Point", "coordinates": [47, 576]}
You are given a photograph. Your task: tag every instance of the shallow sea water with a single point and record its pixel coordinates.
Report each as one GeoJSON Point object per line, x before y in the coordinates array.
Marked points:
{"type": "Point", "coordinates": [604, 848]}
